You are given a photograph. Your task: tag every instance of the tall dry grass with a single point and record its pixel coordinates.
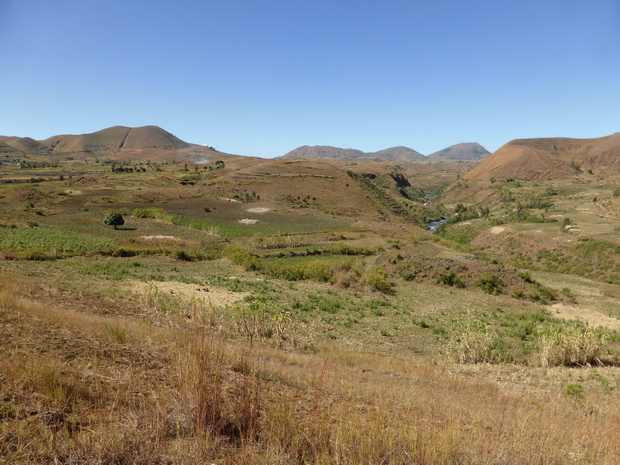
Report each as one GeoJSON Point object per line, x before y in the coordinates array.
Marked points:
{"type": "Point", "coordinates": [72, 391]}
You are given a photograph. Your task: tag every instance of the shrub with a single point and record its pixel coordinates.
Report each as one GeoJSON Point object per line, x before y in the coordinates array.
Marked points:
{"type": "Point", "coordinates": [155, 213]}
{"type": "Point", "coordinates": [575, 391]}
{"type": "Point", "coordinates": [184, 256]}
{"type": "Point", "coordinates": [542, 293]}
{"type": "Point", "coordinates": [450, 280]}
{"type": "Point", "coordinates": [242, 257]}
{"type": "Point", "coordinates": [526, 276]}
{"type": "Point", "coordinates": [377, 278]}
{"type": "Point", "coordinates": [490, 283]}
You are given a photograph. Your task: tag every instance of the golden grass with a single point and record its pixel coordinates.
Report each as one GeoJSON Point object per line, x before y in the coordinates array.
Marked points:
{"type": "Point", "coordinates": [82, 388]}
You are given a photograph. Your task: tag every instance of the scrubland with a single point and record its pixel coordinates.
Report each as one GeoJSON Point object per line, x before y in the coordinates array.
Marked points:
{"type": "Point", "coordinates": [315, 335]}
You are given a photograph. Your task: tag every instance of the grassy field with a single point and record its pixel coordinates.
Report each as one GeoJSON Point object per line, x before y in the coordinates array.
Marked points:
{"type": "Point", "coordinates": [315, 335]}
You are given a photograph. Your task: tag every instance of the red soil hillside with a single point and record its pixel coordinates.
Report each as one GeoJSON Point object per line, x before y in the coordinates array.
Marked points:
{"type": "Point", "coordinates": [519, 162]}
{"type": "Point", "coordinates": [604, 154]}
{"type": "Point", "coordinates": [549, 158]}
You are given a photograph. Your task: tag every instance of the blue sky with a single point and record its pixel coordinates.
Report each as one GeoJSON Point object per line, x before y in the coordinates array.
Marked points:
{"type": "Point", "coordinates": [260, 78]}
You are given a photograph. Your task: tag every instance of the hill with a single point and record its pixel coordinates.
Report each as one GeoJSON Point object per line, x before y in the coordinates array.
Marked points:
{"type": "Point", "coordinates": [323, 151]}
{"type": "Point", "coordinates": [519, 162]}
{"type": "Point", "coordinates": [111, 139]}
{"type": "Point", "coordinates": [116, 138]}
{"type": "Point", "coordinates": [397, 154]}
{"type": "Point", "coordinates": [548, 158]}
{"type": "Point", "coordinates": [466, 151]}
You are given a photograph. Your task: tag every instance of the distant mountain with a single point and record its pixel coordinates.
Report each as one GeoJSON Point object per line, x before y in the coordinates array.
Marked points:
{"type": "Point", "coordinates": [465, 152]}
{"type": "Point", "coordinates": [114, 138]}
{"type": "Point", "coordinates": [397, 154]}
{"type": "Point", "coordinates": [323, 151]}
{"type": "Point", "coordinates": [548, 158]}
{"type": "Point", "coordinates": [468, 151]}
{"type": "Point", "coordinates": [23, 144]}
{"type": "Point", "coordinates": [4, 147]}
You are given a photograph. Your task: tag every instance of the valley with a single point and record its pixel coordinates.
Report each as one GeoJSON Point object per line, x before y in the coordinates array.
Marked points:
{"type": "Point", "coordinates": [297, 310]}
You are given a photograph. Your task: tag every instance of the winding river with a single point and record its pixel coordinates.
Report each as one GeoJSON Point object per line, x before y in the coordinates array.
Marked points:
{"type": "Point", "coordinates": [433, 225]}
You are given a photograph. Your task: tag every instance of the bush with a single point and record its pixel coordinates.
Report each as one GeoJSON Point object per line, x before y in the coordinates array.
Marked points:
{"type": "Point", "coordinates": [239, 256]}
{"type": "Point", "coordinates": [450, 280]}
{"type": "Point", "coordinates": [490, 283]}
{"type": "Point", "coordinates": [377, 278]}
{"type": "Point", "coordinates": [526, 276]}
{"type": "Point", "coordinates": [543, 294]}
{"type": "Point", "coordinates": [155, 213]}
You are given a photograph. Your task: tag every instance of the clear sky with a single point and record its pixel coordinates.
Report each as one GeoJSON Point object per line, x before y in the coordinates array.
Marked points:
{"type": "Point", "coordinates": [262, 77]}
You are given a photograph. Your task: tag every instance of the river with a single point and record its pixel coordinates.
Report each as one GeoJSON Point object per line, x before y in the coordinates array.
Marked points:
{"type": "Point", "coordinates": [433, 225]}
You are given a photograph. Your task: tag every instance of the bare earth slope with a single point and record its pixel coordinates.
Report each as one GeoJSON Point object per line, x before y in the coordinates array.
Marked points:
{"type": "Point", "coordinates": [548, 158]}
{"type": "Point", "coordinates": [520, 162]}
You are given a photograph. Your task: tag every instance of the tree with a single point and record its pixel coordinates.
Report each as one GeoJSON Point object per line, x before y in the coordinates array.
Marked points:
{"type": "Point", "coordinates": [114, 219]}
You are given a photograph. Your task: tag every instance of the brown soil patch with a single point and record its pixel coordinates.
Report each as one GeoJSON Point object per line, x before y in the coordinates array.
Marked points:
{"type": "Point", "coordinates": [24, 194]}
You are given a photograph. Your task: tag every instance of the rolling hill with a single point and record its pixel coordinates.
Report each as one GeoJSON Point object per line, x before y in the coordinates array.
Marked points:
{"type": "Point", "coordinates": [466, 152]}
{"type": "Point", "coordinates": [397, 154]}
{"type": "Point", "coordinates": [469, 151]}
{"type": "Point", "coordinates": [114, 138]}
{"type": "Point", "coordinates": [548, 158]}
{"type": "Point", "coordinates": [323, 151]}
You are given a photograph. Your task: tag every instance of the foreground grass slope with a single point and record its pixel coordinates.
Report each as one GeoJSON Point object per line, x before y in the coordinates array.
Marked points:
{"type": "Point", "coordinates": [84, 387]}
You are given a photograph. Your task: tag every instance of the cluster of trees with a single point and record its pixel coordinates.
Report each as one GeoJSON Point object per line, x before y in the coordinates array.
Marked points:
{"type": "Point", "coordinates": [24, 165]}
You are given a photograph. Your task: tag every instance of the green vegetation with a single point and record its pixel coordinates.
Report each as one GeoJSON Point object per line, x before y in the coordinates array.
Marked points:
{"type": "Point", "coordinates": [114, 219]}
{"type": "Point", "coordinates": [51, 240]}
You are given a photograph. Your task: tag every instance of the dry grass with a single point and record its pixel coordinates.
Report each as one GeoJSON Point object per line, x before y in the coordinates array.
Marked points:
{"type": "Point", "coordinates": [80, 388]}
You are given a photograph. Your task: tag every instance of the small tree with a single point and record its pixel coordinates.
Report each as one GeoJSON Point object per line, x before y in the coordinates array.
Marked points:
{"type": "Point", "coordinates": [114, 219]}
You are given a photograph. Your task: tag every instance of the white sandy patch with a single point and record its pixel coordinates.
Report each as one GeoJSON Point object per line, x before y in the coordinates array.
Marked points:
{"type": "Point", "coordinates": [587, 315]}
{"type": "Point", "coordinates": [258, 210]}
{"type": "Point", "coordinates": [160, 237]}
{"type": "Point", "coordinates": [73, 192]}
{"type": "Point", "coordinates": [497, 230]}
{"type": "Point", "coordinates": [248, 221]}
